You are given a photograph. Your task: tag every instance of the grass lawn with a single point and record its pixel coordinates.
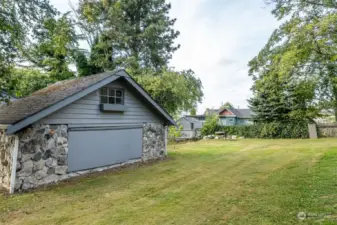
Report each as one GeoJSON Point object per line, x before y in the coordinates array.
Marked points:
{"type": "Point", "coordinates": [207, 182]}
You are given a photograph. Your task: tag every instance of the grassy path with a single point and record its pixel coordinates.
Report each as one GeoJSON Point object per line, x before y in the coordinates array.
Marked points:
{"type": "Point", "coordinates": [207, 182]}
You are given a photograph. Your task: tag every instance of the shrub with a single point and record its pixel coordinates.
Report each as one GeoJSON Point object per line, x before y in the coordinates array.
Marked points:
{"type": "Point", "coordinates": [274, 130]}
{"type": "Point", "coordinates": [210, 126]}
{"type": "Point", "coordinates": [175, 131]}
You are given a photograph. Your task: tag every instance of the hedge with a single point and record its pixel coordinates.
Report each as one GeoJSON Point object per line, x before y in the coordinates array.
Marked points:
{"type": "Point", "coordinates": [274, 130]}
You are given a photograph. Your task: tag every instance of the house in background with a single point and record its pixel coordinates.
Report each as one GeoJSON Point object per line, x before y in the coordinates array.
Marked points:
{"type": "Point", "coordinates": [191, 126]}
{"type": "Point", "coordinates": [227, 117]}
{"type": "Point", "coordinates": [235, 117]}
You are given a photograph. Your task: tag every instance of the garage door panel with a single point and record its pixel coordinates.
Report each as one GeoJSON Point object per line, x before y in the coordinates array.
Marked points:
{"type": "Point", "coordinates": [96, 148]}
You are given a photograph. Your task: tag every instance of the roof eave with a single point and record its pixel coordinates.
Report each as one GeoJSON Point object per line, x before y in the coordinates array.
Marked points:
{"type": "Point", "coordinates": [140, 89]}
{"type": "Point", "coordinates": [13, 128]}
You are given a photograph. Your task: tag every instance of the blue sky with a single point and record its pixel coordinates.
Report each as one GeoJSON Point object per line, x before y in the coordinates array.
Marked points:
{"type": "Point", "coordinates": [218, 38]}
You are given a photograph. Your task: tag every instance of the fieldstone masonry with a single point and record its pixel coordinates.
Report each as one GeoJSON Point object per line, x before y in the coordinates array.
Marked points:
{"type": "Point", "coordinates": [42, 155]}
{"type": "Point", "coordinates": [43, 152]}
{"type": "Point", "coordinates": [153, 141]}
{"type": "Point", "coordinates": [6, 152]}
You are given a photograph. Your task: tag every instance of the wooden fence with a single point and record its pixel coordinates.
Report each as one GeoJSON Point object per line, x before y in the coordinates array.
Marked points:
{"type": "Point", "coordinates": [327, 129]}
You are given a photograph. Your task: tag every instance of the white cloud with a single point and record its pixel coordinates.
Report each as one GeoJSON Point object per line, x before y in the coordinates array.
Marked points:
{"type": "Point", "coordinates": [218, 38]}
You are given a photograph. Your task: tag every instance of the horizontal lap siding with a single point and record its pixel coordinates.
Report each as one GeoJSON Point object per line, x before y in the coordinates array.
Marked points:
{"type": "Point", "coordinates": [86, 111]}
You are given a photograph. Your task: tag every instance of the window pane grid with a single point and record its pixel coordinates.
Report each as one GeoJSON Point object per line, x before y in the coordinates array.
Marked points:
{"type": "Point", "coordinates": [111, 96]}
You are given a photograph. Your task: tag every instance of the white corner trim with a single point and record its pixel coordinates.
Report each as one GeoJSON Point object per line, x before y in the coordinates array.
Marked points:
{"type": "Point", "coordinates": [14, 163]}
{"type": "Point", "coordinates": [166, 138]}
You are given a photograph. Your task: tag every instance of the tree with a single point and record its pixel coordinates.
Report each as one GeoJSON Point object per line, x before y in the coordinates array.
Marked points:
{"type": "Point", "coordinates": [302, 52]}
{"type": "Point", "coordinates": [295, 7]}
{"type": "Point", "coordinates": [280, 101]}
{"type": "Point", "coordinates": [26, 81]}
{"type": "Point", "coordinates": [139, 36]}
{"type": "Point", "coordinates": [193, 112]}
{"type": "Point", "coordinates": [54, 47]}
{"type": "Point", "coordinates": [18, 19]}
{"type": "Point", "coordinates": [227, 105]}
{"type": "Point", "coordinates": [136, 34]}
{"type": "Point", "coordinates": [175, 91]}
{"type": "Point", "coordinates": [211, 125]}
{"type": "Point", "coordinates": [84, 65]}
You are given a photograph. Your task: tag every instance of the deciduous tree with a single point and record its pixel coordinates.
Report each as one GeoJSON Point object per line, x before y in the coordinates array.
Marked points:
{"type": "Point", "coordinates": [301, 53]}
{"type": "Point", "coordinates": [18, 19]}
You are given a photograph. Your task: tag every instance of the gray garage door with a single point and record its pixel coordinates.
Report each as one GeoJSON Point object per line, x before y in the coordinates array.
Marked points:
{"type": "Point", "coordinates": [102, 147]}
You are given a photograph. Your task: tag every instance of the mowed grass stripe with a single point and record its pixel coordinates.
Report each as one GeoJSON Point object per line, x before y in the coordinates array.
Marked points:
{"type": "Point", "coordinates": [206, 182]}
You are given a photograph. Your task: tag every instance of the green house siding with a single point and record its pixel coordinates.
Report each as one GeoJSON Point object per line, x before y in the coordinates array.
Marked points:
{"type": "Point", "coordinates": [228, 121]}
{"type": "Point", "coordinates": [233, 121]}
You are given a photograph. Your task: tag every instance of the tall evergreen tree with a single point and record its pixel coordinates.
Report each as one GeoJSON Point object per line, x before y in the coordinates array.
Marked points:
{"type": "Point", "coordinates": [282, 101]}
{"type": "Point", "coordinates": [134, 34]}
{"type": "Point", "coordinates": [139, 36]}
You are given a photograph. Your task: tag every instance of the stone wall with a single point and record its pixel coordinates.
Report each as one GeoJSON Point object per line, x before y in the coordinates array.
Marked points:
{"type": "Point", "coordinates": [43, 152]}
{"type": "Point", "coordinates": [153, 141]}
{"type": "Point", "coordinates": [6, 152]}
{"type": "Point", "coordinates": [42, 155]}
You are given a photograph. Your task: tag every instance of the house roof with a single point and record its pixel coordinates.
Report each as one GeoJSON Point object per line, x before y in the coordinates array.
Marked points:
{"type": "Point", "coordinates": [242, 113]}
{"type": "Point", "coordinates": [191, 119]}
{"type": "Point", "coordinates": [239, 113]}
{"type": "Point", "coordinates": [28, 110]}
{"type": "Point", "coordinates": [211, 112]}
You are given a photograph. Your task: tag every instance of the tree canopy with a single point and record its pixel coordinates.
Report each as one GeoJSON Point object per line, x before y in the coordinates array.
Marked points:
{"type": "Point", "coordinates": [299, 60]}
{"type": "Point", "coordinates": [40, 46]}
{"type": "Point", "coordinates": [175, 91]}
{"type": "Point", "coordinates": [17, 20]}
{"type": "Point", "coordinates": [54, 47]}
{"type": "Point", "coordinates": [226, 105]}
{"type": "Point", "coordinates": [137, 34]}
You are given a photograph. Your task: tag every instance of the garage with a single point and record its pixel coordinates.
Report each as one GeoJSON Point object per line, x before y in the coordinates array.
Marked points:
{"type": "Point", "coordinates": [97, 147]}
{"type": "Point", "coordinates": [79, 126]}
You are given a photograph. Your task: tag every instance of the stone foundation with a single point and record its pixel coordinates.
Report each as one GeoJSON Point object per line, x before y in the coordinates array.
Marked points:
{"type": "Point", "coordinates": [154, 146]}
{"type": "Point", "coordinates": [6, 153]}
{"type": "Point", "coordinates": [42, 155]}
{"type": "Point", "coordinates": [43, 152]}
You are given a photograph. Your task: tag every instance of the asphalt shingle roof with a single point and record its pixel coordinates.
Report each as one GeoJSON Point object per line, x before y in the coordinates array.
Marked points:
{"type": "Point", "coordinates": [25, 107]}
{"type": "Point", "coordinates": [192, 120]}
{"type": "Point", "coordinates": [242, 113]}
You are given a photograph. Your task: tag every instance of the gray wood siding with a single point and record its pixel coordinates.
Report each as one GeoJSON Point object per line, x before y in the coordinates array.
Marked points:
{"type": "Point", "coordinates": [185, 124]}
{"type": "Point", "coordinates": [86, 111]}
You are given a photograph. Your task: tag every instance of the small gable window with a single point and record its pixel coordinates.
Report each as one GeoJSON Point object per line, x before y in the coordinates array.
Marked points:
{"type": "Point", "coordinates": [112, 96]}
